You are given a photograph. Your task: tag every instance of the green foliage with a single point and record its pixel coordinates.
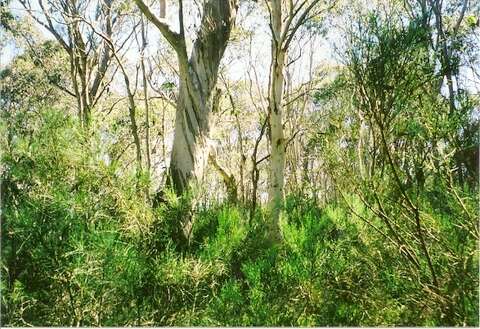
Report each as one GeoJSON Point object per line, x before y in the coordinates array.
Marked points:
{"type": "Point", "coordinates": [65, 254]}
{"type": "Point", "coordinates": [6, 17]}
{"type": "Point", "coordinates": [229, 237]}
{"type": "Point", "coordinates": [33, 79]}
{"type": "Point", "coordinates": [392, 144]}
{"type": "Point", "coordinates": [393, 243]}
{"type": "Point", "coordinates": [77, 249]}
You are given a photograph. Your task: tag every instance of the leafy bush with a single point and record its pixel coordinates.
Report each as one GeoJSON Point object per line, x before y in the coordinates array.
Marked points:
{"type": "Point", "coordinates": [81, 246]}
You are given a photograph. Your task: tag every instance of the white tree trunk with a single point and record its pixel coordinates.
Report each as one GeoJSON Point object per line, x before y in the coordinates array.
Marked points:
{"type": "Point", "coordinates": [198, 78]}
{"type": "Point", "coordinates": [190, 151]}
{"type": "Point", "coordinates": [277, 140]}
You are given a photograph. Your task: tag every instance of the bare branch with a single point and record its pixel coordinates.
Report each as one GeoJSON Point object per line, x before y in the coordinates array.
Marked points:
{"type": "Point", "coordinates": [173, 38]}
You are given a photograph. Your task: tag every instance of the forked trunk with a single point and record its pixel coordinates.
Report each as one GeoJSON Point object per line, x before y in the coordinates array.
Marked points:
{"type": "Point", "coordinates": [198, 78]}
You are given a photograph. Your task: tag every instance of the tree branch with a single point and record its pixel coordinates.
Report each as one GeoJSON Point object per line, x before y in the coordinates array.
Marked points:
{"type": "Point", "coordinates": [173, 38]}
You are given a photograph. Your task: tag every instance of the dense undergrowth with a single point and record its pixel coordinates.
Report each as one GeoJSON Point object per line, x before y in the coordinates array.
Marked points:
{"type": "Point", "coordinates": [81, 246]}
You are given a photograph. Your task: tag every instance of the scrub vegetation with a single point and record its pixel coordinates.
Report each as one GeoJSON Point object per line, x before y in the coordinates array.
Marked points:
{"type": "Point", "coordinates": [239, 163]}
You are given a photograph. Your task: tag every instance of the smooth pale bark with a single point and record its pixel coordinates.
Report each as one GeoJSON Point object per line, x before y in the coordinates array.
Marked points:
{"type": "Point", "coordinates": [198, 76]}
{"type": "Point", "coordinates": [197, 82]}
{"type": "Point", "coordinates": [277, 140]}
{"type": "Point", "coordinates": [163, 8]}
{"type": "Point", "coordinates": [283, 30]}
